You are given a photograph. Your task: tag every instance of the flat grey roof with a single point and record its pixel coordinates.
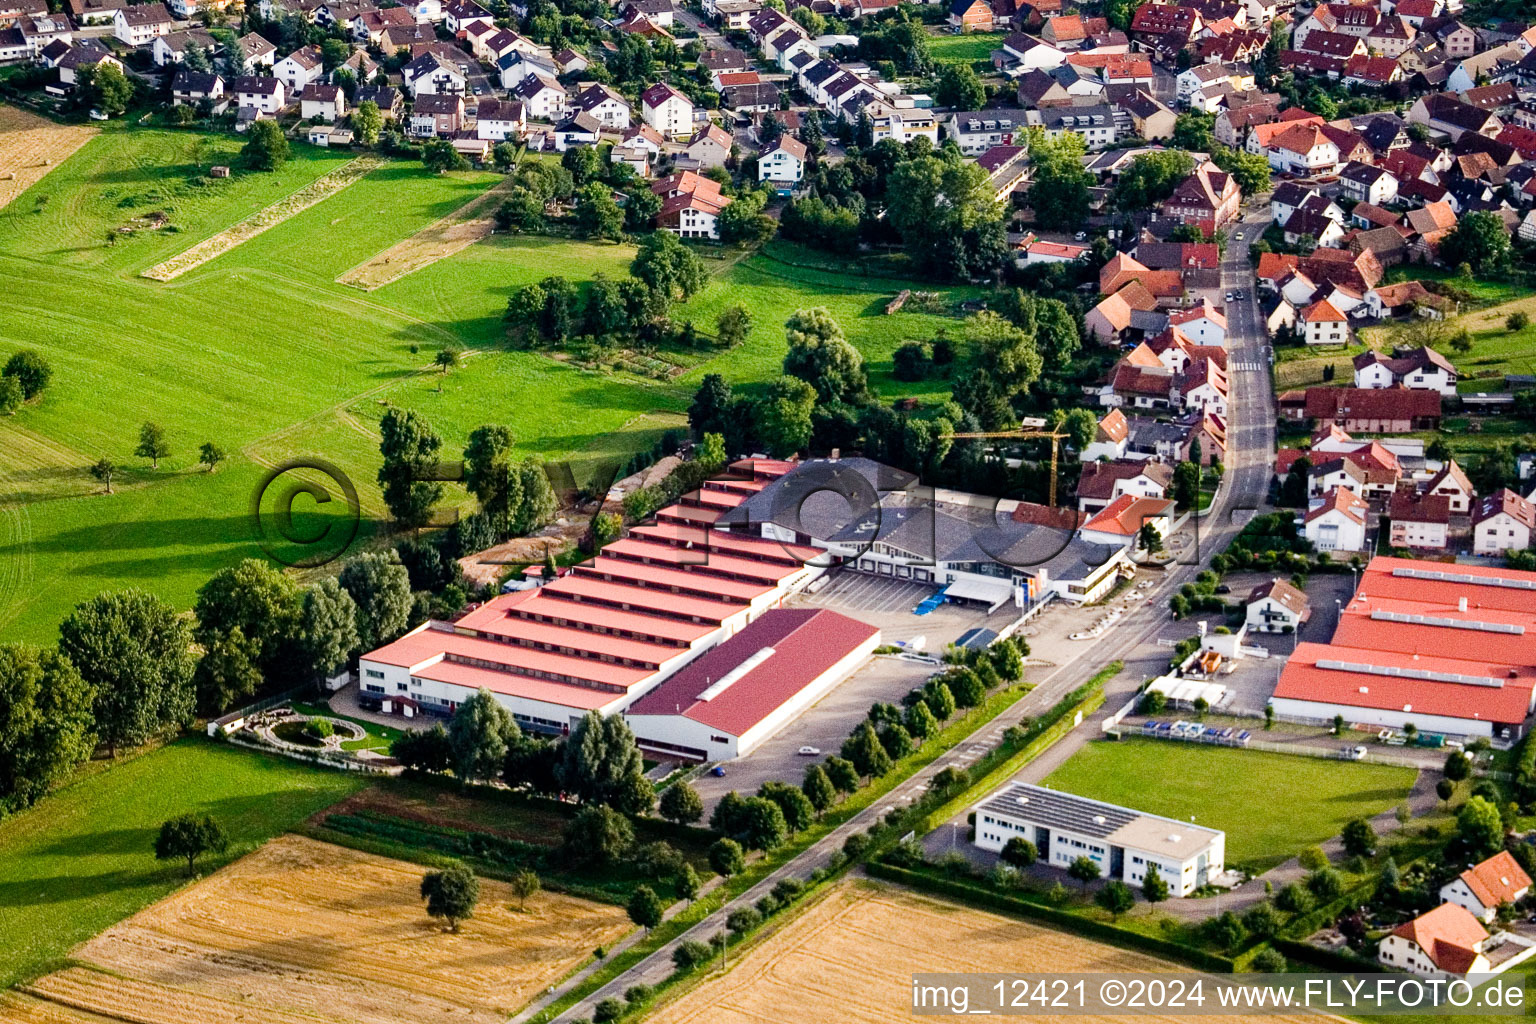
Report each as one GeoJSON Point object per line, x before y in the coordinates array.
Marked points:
{"type": "Point", "coordinates": [1096, 819]}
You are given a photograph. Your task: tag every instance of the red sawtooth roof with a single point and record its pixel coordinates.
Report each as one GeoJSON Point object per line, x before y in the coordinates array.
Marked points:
{"type": "Point", "coordinates": [1303, 679]}
{"type": "Point", "coordinates": [545, 603]}
{"type": "Point", "coordinates": [806, 643]}
{"type": "Point", "coordinates": [687, 514]}
{"type": "Point", "coordinates": [707, 561]}
{"type": "Point", "coordinates": [656, 578]}
{"type": "Point", "coordinates": [640, 599]}
{"type": "Point", "coordinates": [730, 543]}
{"type": "Point", "coordinates": [503, 662]}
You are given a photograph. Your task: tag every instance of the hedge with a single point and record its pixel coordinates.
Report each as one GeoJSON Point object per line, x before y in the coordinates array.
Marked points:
{"type": "Point", "coordinates": [986, 899]}
{"type": "Point", "coordinates": [1343, 961]}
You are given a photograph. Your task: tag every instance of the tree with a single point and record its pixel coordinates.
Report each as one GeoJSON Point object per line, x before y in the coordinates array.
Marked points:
{"type": "Point", "coordinates": [726, 857]}
{"type": "Point", "coordinates": [490, 476]}
{"type": "Point", "coordinates": [30, 370]}
{"type": "Point", "coordinates": [1060, 191]}
{"type": "Point", "coordinates": [967, 687]}
{"type": "Point", "coordinates": [1294, 899]}
{"type": "Point", "coordinates": [1224, 931]}
{"type": "Point", "coordinates": [634, 795]}
{"type": "Point", "coordinates": [818, 788]}
{"type": "Point", "coordinates": [10, 396]}
{"type": "Point", "coordinates": [1517, 321]}
{"type": "Point", "coordinates": [210, 455]}
{"type": "Point", "coordinates": [937, 695]}
{"type": "Point", "coordinates": [1445, 789]}
{"type": "Point", "coordinates": [228, 672]}
{"type": "Point", "coordinates": [742, 920]}
{"type": "Point", "coordinates": [1116, 897]}
{"type": "Point", "coordinates": [46, 727]}
{"type": "Point", "coordinates": [326, 630]}
{"type": "Point", "coordinates": [842, 774]}
{"type": "Point", "coordinates": [439, 157]}
{"type": "Point", "coordinates": [1478, 239]}
{"type": "Point", "coordinates": [482, 732]}
{"type": "Point", "coordinates": [152, 444]}
{"type": "Point", "coordinates": [1154, 887]}
{"type": "Point", "coordinates": [1359, 838]}
{"type": "Point", "coordinates": [799, 813]}
{"type": "Point", "coordinates": [189, 837]}
{"type": "Point", "coordinates": [947, 214]}
{"type": "Point", "coordinates": [680, 804]}
{"type": "Point", "coordinates": [1084, 870]}
{"type": "Point", "coordinates": [260, 601]}
{"type": "Point", "coordinates": [108, 89]}
{"type": "Point", "coordinates": [711, 407]}
{"type": "Point", "coordinates": [409, 447]}
{"type": "Point", "coordinates": [598, 756]}
{"type": "Point", "coordinates": [820, 355]}
{"type": "Point", "coordinates": [864, 751]}
{"type": "Point", "coordinates": [381, 589]}
{"type": "Point", "coordinates": [1249, 170]}
{"type": "Point", "coordinates": [598, 835]}
{"type": "Point", "coordinates": [1149, 539]}
{"type": "Point", "coordinates": [1325, 884]}
{"type": "Point", "coordinates": [1005, 351]}
{"type": "Point", "coordinates": [1458, 766]}
{"type": "Point", "coordinates": [1151, 178]}
{"type": "Point", "coordinates": [367, 122]}
{"type": "Point", "coordinates": [731, 329]}
{"type": "Point", "coordinates": [445, 360]}
{"type": "Point", "coordinates": [920, 721]}
{"type": "Point", "coordinates": [1019, 852]}
{"type": "Point", "coordinates": [668, 267]}
{"type": "Point", "coordinates": [429, 750]}
{"type": "Point", "coordinates": [645, 907]}
{"type": "Point", "coordinates": [135, 653]}
{"type": "Point", "coordinates": [762, 825]}
{"type": "Point", "coordinates": [597, 215]}
{"type": "Point", "coordinates": [521, 211]}
{"type": "Point", "coordinates": [1193, 131]}
{"type": "Point", "coordinates": [784, 415]}
{"type": "Point", "coordinates": [1480, 826]}
{"type": "Point", "coordinates": [641, 209]}
{"type": "Point", "coordinates": [1313, 858]}
{"type": "Point", "coordinates": [524, 883]}
{"type": "Point", "coordinates": [743, 221]}
{"type": "Point", "coordinates": [960, 88]}
{"type": "Point", "coordinates": [1186, 485]}
{"type": "Point", "coordinates": [451, 894]}
{"type": "Point", "coordinates": [266, 147]}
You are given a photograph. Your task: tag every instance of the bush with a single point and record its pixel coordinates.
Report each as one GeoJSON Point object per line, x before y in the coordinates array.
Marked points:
{"type": "Point", "coordinates": [609, 1009]}
{"type": "Point", "coordinates": [1270, 961]}
{"type": "Point", "coordinates": [690, 954]}
{"type": "Point", "coordinates": [638, 993]}
{"type": "Point", "coordinates": [743, 920]}
{"type": "Point", "coordinates": [1517, 321]}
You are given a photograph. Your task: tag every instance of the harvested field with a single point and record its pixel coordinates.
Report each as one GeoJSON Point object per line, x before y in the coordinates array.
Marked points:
{"type": "Point", "coordinates": [306, 931]}
{"type": "Point", "coordinates": [459, 230]}
{"type": "Point", "coordinates": [857, 949]}
{"type": "Point", "coordinates": [30, 147]}
{"type": "Point", "coordinates": [316, 191]}
{"type": "Point", "coordinates": [16, 1008]}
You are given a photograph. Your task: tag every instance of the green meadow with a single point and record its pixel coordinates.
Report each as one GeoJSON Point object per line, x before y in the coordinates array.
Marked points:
{"type": "Point", "coordinates": [261, 352]}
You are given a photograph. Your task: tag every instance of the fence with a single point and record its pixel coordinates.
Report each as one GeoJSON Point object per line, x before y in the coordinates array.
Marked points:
{"type": "Point", "coordinates": [1113, 720]}
{"type": "Point", "coordinates": [231, 721]}
{"type": "Point", "coordinates": [345, 763]}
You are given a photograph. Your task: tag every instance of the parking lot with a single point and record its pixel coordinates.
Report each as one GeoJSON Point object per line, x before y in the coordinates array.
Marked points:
{"type": "Point", "coordinates": [888, 603]}
{"type": "Point", "coordinates": [823, 726]}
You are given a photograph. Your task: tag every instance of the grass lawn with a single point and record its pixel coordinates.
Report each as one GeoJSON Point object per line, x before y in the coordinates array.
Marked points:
{"type": "Point", "coordinates": [83, 859]}
{"type": "Point", "coordinates": [947, 46]}
{"type": "Point", "coordinates": [259, 351]}
{"type": "Point", "coordinates": [1232, 790]}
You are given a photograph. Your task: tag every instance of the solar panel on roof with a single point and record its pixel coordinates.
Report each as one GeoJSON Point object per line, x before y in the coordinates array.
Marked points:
{"type": "Point", "coordinates": [1426, 675]}
{"type": "Point", "coordinates": [1381, 615]}
{"type": "Point", "coordinates": [1463, 577]}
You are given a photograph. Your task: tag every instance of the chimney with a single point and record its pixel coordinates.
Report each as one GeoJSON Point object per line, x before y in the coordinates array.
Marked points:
{"type": "Point", "coordinates": [836, 454]}
{"type": "Point", "coordinates": [1461, 604]}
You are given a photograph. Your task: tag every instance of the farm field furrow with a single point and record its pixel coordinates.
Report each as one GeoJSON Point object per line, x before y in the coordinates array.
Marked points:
{"type": "Point", "coordinates": [851, 958]}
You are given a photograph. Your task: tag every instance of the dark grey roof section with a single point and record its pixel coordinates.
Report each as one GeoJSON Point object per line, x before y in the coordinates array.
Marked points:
{"type": "Point", "coordinates": [1057, 810]}
{"type": "Point", "coordinates": [820, 496]}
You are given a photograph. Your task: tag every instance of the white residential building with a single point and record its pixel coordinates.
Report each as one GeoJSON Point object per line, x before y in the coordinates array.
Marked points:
{"type": "Point", "coordinates": [1337, 521]}
{"type": "Point", "coordinates": [667, 110]}
{"type": "Point", "coordinates": [783, 163]}
{"type": "Point", "coordinates": [1502, 521]}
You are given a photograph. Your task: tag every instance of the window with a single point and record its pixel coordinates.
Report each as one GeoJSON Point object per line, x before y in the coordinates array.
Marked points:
{"type": "Point", "coordinates": [373, 673]}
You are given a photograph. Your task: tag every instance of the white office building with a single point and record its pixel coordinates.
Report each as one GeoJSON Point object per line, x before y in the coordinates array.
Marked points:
{"type": "Point", "coordinates": [1125, 844]}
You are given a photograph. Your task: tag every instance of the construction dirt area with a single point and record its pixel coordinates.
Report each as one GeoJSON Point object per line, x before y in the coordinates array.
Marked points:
{"type": "Point", "coordinates": [851, 957]}
{"type": "Point", "coordinates": [31, 146]}
{"type": "Point", "coordinates": [297, 202]}
{"type": "Point", "coordinates": [438, 240]}
{"type": "Point", "coordinates": [303, 931]}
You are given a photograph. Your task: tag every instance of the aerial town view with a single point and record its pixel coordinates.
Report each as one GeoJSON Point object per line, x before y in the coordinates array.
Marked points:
{"type": "Point", "coordinates": [728, 511]}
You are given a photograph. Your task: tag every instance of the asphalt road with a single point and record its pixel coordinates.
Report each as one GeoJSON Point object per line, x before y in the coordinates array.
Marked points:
{"type": "Point", "coordinates": [1250, 444]}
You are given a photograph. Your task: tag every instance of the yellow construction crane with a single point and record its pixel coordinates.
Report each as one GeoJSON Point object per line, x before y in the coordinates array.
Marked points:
{"type": "Point", "coordinates": [1022, 435]}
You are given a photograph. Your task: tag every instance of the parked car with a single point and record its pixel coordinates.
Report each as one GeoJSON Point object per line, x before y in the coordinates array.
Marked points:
{"type": "Point", "coordinates": [718, 771]}
{"type": "Point", "coordinates": [809, 751]}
